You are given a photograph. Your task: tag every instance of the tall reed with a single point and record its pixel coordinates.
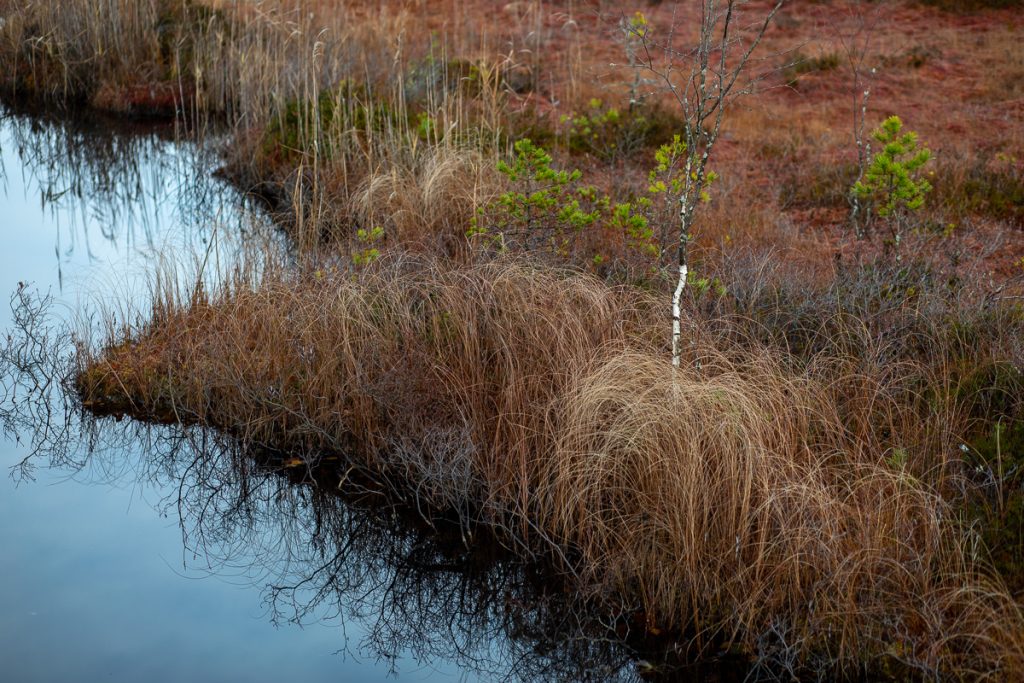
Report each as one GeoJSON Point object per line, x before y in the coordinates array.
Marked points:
{"type": "Point", "coordinates": [350, 116]}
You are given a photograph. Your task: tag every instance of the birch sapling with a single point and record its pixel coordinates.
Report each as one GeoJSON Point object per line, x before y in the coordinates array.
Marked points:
{"type": "Point", "coordinates": [703, 80]}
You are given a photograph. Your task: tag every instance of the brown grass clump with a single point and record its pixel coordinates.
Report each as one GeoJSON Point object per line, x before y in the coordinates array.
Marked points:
{"type": "Point", "coordinates": [732, 495]}
{"type": "Point", "coordinates": [401, 359]}
{"type": "Point", "coordinates": [728, 502]}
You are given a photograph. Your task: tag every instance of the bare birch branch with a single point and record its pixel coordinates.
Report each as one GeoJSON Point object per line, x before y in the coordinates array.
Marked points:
{"type": "Point", "coordinates": [716, 63]}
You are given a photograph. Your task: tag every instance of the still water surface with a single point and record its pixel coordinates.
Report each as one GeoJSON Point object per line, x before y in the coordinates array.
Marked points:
{"type": "Point", "coordinates": [104, 575]}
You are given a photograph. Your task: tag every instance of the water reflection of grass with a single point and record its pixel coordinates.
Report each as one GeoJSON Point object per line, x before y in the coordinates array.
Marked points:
{"type": "Point", "coordinates": [125, 182]}
{"type": "Point", "coordinates": [121, 198]}
{"type": "Point", "coordinates": [326, 543]}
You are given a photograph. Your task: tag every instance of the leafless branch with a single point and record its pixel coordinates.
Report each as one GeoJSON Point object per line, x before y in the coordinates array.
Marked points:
{"type": "Point", "coordinates": [703, 92]}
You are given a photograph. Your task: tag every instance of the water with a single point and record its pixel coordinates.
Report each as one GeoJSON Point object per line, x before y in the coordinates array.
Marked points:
{"type": "Point", "coordinates": [96, 581]}
{"type": "Point", "coordinates": [163, 553]}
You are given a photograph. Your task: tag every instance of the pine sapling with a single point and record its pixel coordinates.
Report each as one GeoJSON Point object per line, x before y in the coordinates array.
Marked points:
{"type": "Point", "coordinates": [892, 181]}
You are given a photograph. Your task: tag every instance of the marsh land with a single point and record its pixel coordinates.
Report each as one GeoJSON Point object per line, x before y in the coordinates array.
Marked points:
{"type": "Point", "coordinates": [539, 340]}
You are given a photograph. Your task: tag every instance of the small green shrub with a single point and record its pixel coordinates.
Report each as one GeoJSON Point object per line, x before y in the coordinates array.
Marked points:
{"type": "Point", "coordinates": [892, 180]}
{"type": "Point", "coordinates": [547, 208]}
{"type": "Point", "coordinates": [554, 211]}
{"type": "Point", "coordinates": [802, 65]}
{"type": "Point", "coordinates": [892, 184]}
{"type": "Point", "coordinates": [609, 133]}
{"type": "Point", "coordinates": [368, 240]}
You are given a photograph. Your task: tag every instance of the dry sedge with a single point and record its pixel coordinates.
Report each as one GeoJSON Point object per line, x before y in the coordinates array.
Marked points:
{"type": "Point", "coordinates": [797, 488]}
{"type": "Point", "coordinates": [728, 500]}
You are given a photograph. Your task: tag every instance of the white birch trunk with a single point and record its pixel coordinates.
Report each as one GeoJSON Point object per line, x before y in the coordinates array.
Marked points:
{"type": "Point", "coordinates": [676, 325]}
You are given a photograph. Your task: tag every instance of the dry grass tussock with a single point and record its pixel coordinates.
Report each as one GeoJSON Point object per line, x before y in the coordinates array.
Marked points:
{"type": "Point", "coordinates": [730, 501]}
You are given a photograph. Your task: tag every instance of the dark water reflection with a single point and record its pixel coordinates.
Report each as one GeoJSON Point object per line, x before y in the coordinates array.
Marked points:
{"type": "Point", "coordinates": [96, 581]}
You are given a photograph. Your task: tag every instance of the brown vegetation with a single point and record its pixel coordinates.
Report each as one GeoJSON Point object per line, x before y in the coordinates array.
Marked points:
{"type": "Point", "coordinates": [740, 500]}
{"type": "Point", "coordinates": [806, 488]}
{"type": "Point", "coordinates": [340, 101]}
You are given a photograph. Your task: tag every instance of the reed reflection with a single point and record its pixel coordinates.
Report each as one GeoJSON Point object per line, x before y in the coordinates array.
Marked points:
{"type": "Point", "coordinates": [130, 188]}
